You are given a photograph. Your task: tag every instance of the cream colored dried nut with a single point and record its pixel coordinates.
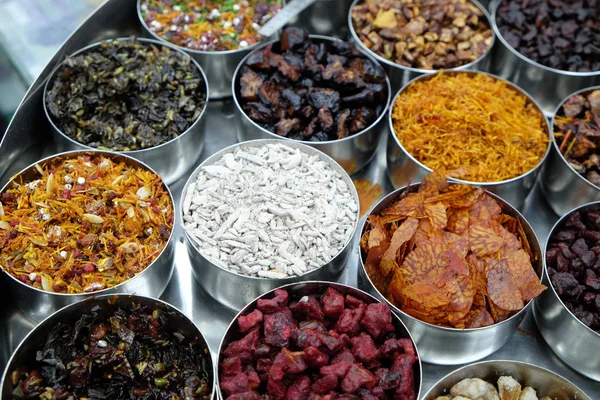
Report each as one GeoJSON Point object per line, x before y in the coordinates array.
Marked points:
{"type": "Point", "coordinates": [509, 388]}
{"type": "Point", "coordinates": [385, 19]}
{"type": "Point", "coordinates": [528, 394]}
{"type": "Point", "coordinates": [431, 36]}
{"type": "Point", "coordinates": [463, 46]}
{"type": "Point", "coordinates": [459, 22]}
{"type": "Point", "coordinates": [144, 192]}
{"type": "Point", "coordinates": [4, 225]}
{"type": "Point", "coordinates": [93, 219]}
{"type": "Point", "coordinates": [475, 388]}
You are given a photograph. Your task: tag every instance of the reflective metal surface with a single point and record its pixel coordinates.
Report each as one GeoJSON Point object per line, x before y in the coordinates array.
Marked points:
{"type": "Point", "coordinates": [573, 340]}
{"type": "Point", "coordinates": [39, 304]}
{"type": "Point", "coordinates": [545, 382]}
{"type": "Point", "coordinates": [325, 17]}
{"type": "Point", "coordinates": [565, 188]}
{"type": "Point", "coordinates": [235, 290]}
{"type": "Point", "coordinates": [314, 288]}
{"type": "Point", "coordinates": [547, 85]}
{"type": "Point", "coordinates": [25, 355]}
{"type": "Point", "coordinates": [400, 75]}
{"type": "Point", "coordinates": [352, 152]}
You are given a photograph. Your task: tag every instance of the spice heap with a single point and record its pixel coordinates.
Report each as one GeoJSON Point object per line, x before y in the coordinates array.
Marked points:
{"type": "Point", "coordinates": [127, 353]}
{"type": "Point", "coordinates": [562, 34]}
{"type": "Point", "coordinates": [324, 346]}
{"type": "Point", "coordinates": [209, 25]}
{"type": "Point", "coordinates": [470, 120]}
{"type": "Point", "coordinates": [573, 262]}
{"type": "Point", "coordinates": [577, 133]}
{"type": "Point", "coordinates": [423, 34]}
{"type": "Point", "coordinates": [270, 211]}
{"type": "Point", "coordinates": [126, 95]}
{"type": "Point", "coordinates": [314, 91]}
{"type": "Point", "coordinates": [508, 389]}
{"type": "Point", "coordinates": [448, 255]}
{"type": "Point", "coordinates": [86, 223]}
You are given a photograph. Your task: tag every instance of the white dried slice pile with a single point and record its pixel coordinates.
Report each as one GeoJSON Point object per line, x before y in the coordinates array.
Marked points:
{"type": "Point", "coordinates": [477, 389]}
{"type": "Point", "coordinates": [269, 211]}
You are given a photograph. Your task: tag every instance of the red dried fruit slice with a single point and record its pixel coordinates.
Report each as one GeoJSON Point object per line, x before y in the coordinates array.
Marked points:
{"type": "Point", "coordinates": [503, 292]}
{"type": "Point", "coordinates": [402, 235]}
{"type": "Point", "coordinates": [437, 214]}
{"type": "Point", "coordinates": [484, 241]}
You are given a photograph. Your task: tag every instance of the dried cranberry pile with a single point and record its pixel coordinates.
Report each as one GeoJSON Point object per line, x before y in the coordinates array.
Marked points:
{"type": "Point", "coordinates": [562, 34]}
{"type": "Point", "coordinates": [333, 348]}
{"type": "Point", "coordinates": [573, 261]}
{"type": "Point", "coordinates": [312, 91]}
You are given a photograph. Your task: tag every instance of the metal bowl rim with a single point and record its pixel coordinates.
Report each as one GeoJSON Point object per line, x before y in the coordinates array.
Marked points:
{"type": "Point", "coordinates": [258, 143]}
{"type": "Point", "coordinates": [52, 75]}
{"type": "Point", "coordinates": [419, 70]}
{"type": "Point", "coordinates": [73, 154]}
{"type": "Point", "coordinates": [329, 284]}
{"type": "Point", "coordinates": [492, 362]}
{"type": "Point", "coordinates": [454, 180]}
{"type": "Point", "coordinates": [312, 144]}
{"type": "Point", "coordinates": [101, 297]}
{"type": "Point", "coordinates": [494, 7]}
{"type": "Point", "coordinates": [518, 314]}
{"type": "Point", "coordinates": [560, 221]}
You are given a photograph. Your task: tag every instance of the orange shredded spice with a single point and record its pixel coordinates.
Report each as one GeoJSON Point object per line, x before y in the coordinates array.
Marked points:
{"type": "Point", "coordinates": [473, 121]}
{"type": "Point", "coordinates": [83, 224]}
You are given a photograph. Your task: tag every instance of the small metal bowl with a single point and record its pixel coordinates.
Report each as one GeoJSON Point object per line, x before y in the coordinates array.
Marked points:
{"type": "Point", "coordinates": [402, 167]}
{"type": "Point", "coordinates": [545, 382]}
{"type": "Point", "coordinates": [171, 159]}
{"type": "Point", "coordinates": [399, 74]}
{"type": "Point", "coordinates": [353, 152]}
{"type": "Point", "coordinates": [152, 281]}
{"type": "Point", "coordinates": [324, 17]}
{"type": "Point", "coordinates": [235, 290]}
{"type": "Point", "coordinates": [450, 346]}
{"type": "Point", "coordinates": [547, 85]}
{"type": "Point", "coordinates": [301, 289]}
{"type": "Point", "coordinates": [25, 354]}
{"type": "Point", "coordinates": [566, 335]}
{"type": "Point", "coordinates": [564, 188]}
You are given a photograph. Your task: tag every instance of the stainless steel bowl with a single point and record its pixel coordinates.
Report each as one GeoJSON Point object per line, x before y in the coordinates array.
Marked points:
{"type": "Point", "coordinates": [171, 159]}
{"type": "Point", "coordinates": [547, 85]}
{"type": "Point", "coordinates": [399, 75]}
{"type": "Point", "coordinates": [301, 289]}
{"type": "Point", "coordinates": [152, 281]}
{"type": "Point", "coordinates": [568, 337]}
{"type": "Point", "coordinates": [402, 167]}
{"type": "Point", "coordinates": [449, 346]}
{"type": "Point", "coordinates": [25, 354]}
{"type": "Point", "coordinates": [352, 153]}
{"type": "Point", "coordinates": [234, 290]}
{"type": "Point", "coordinates": [325, 17]}
{"type": "Point", "coordinates": [545, 382]}
{"type": "Point", "coordinates": [564, 188]}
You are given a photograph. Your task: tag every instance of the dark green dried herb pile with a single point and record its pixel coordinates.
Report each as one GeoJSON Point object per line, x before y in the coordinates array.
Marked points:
{"type": "Point", "coordinates": [126, 95]}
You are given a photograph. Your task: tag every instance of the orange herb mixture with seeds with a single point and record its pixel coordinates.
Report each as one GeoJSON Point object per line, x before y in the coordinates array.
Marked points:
{"type": "Point", "coordinates": [473, 121]}
{"type": "Point", "coordinates": [84, 224]}
{"type": "Point", "coordinates": [448, 255]}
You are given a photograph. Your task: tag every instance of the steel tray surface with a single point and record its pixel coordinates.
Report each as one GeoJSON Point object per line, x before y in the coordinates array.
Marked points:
{"type": "Point", "coordinates": [29, 138]}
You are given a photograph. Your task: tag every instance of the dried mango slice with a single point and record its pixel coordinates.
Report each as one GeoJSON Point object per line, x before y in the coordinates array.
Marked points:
{"type": "Point", "coordinates": [523, 274]}
{"type": "Point", "coordinates": [484, 241]}
{"type": "Point", "coordinates": [402, 235]}
{"type": "Point", "coordinates": [437, 214]}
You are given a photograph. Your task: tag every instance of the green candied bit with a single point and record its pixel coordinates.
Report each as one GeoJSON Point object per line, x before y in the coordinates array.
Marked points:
{"type": "Point", "coordinates": [159, 367]}
{"type": "Point", "coordinates": [156, 313]}
{"type": "Point", "coordinates": [144, 15]}
{"type": "Point", "coordinates": [161, 383]}
{"type": "Point", "coordinates": [202, 388]}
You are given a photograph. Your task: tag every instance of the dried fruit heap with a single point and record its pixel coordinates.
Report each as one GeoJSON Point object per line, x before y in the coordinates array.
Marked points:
{"type": "Point", "coordinates": [475, 389]}
{"type": "Point", "coordinates": [577, 134]}
{"type": "Point", "coordinates": [470, 120]}
{"type": "Point", "coordinates": [86, 223]}
{"type": "Point", "coordinates": [327, 347]}
{"type": "Point", "coordinates": [126, 95]}
{"type": "Point", "coordinates": [448, 255]}
{"type": "Point", "coordinates": [573, 262]}
{"type": "Point", "coordinates": [209, 25]}
{"type": "Point", "coordinates": [118, 354]}
{"type": "Point", "coordinates": [423, 34]}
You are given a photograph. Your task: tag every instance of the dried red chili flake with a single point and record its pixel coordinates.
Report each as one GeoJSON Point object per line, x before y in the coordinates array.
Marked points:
{"type": "Point", "coordinates": [448, 255]}
{"type": "Point", "coordinates": [335, 347]}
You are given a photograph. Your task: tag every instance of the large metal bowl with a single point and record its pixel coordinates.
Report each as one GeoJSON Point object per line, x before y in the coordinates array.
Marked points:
{"type": "Point", "coordinates": [25, 354]}
{"type": "Point", "coordinates": [325, 17]}
{"type": "Point", "coordinates": [152, 281]}
{"type": "Point", "coordinates": [403, 168]}
{"type": "Point", "coordinates": [301, 289]}
{"type": "Point", "coordinates": [353, 152]}
{"type": "Point", "coordinates": [564, 188]}
{"type": "Point", "coordinates": [235, 290]}
{"type": "Point", "coordinates": [450, 346]}
{"type": "Point", "coordinates": [547, 85]}
{"type": "Point", "coordinates": [566, 335]}
{"type": "Point", "coordinates": [545, 382]}
{"type": "Point", "coordinates": [171, 159]}
{"type": "Point", "coordinates": [399, 75]}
